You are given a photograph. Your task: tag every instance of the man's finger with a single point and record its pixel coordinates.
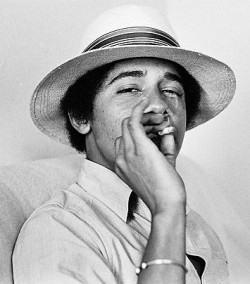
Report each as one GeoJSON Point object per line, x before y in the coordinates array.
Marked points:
{"type": "Point", "coordinates": [151, 118]}
{"type": "Point", "coordinates": [135, 127]}
{"type": "Point", "coordinates": [137, 112]}
{"type": "Point", "coordinates": [117, 145]}
{"type": "Point", "coordinates": [168, 148]}
{"type": "Point", "coordinates": [156, 128]}
{"type": "Point", "coordinates": [128, 141]}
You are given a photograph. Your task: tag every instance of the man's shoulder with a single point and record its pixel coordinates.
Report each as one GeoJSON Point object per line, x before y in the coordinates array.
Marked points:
{"type": "Point", "coordinates": [64, 215]}
{"type": "Point", "coordinates": [68, 202]}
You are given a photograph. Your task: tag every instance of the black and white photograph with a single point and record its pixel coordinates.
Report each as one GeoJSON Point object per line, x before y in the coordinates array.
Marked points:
{"type": "Point", "coordinates": [124, 150]}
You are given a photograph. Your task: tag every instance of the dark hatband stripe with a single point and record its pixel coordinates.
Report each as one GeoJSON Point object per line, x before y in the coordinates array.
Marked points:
{"type": "Point", "coordinates": [133, 36]}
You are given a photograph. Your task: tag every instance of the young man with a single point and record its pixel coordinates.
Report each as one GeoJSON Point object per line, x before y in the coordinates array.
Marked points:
{"type": "Point", "coordinates": [127, 102]}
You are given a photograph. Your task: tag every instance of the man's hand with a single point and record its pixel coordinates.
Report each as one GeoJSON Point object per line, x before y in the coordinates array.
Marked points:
{"type": "Point", "coordinates": [150, 172]}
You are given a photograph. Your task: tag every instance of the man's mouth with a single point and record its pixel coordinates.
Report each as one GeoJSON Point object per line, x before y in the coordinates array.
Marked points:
{"type": "Point", "coordinates": [157, 137]}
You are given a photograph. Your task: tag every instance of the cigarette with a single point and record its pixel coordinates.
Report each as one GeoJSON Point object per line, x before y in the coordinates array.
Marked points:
{"type": "Point", "coordinates": [166, 130]}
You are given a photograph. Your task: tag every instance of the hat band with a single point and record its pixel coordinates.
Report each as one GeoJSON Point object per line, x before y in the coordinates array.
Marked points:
{"type": "Point", "coordinates": [133, 36]}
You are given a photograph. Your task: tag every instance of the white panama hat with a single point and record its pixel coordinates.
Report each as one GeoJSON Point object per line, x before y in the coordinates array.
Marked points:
{"type": "Point", "coordinates": [122, 33]}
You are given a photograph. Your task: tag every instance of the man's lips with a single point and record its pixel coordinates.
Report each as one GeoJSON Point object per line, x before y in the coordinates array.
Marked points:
{"type": "Point", "coordinates": [155, 131]}
{"type": "Point", "coordinates": [157, 137]}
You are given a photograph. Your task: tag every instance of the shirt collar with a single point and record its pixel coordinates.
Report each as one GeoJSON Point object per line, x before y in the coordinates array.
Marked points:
{"type": "Point", "coordinates": [106, 186]}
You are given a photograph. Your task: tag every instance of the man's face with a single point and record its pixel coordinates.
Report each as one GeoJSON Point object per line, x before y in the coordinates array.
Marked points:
{"type": "Point", "coordinates": [125, 85]}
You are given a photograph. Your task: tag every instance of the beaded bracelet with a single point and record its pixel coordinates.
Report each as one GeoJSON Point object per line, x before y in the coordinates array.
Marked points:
{"type": "Point", "coordinates": [144, 265]}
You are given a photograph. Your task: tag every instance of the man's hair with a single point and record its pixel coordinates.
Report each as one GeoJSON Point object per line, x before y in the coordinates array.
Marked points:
{"type": "Point", "coordinates": [79, 102]}
{"type": "Point", "coordinates": [80, 96]}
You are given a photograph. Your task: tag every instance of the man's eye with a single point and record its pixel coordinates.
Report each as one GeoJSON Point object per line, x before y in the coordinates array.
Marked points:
{"type": "Point", "coordinates": [129, 90]}
{"type": "Point", "coordinates": [172, 93]}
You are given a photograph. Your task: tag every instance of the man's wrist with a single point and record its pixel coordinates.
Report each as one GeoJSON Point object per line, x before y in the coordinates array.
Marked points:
{"type": "Point", "coordinates": [167, 209]}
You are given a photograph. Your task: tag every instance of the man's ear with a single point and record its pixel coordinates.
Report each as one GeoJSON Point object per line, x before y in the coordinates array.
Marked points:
{"type": "Point", "coordinates": [82, 126]}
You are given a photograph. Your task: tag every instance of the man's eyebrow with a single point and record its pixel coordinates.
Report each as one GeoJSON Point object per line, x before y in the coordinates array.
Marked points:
{"type": "Point", "coordinates": [135, 73]}
{"type": "Point", "coordinates": [173, 77]}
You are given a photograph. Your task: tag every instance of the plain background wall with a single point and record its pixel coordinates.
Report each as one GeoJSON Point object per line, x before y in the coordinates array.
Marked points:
{"type": "Point", "coordinates": [38, 35]}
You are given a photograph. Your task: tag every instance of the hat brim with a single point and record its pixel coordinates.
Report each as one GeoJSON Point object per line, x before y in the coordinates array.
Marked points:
{"type": "Point", "coordinates": [216, 79]}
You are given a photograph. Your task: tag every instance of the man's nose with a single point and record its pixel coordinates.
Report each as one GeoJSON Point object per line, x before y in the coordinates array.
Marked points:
{"type": "Point", "coordinates": [157, 102]}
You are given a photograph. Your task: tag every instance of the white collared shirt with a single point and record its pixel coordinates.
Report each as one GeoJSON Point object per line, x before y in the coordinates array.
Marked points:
{"type": "Point", "coordinates": [82, 236]}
